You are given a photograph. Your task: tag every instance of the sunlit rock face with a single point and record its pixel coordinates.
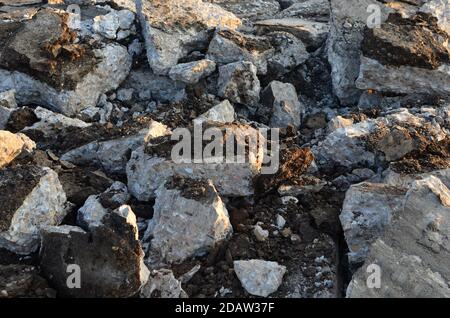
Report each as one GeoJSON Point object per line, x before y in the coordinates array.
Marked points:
{"type": "Point", "coordinates": [404, 56]}
{"type": "Point", "coordinates": [174, 28]}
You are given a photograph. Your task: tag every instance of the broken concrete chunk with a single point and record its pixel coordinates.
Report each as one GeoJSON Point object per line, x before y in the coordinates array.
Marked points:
{"type": "Point", "coordinates": [13, 145]}
{"type": "Point", "coordinates": [367, 210]}
{"type": "Point", "coordinates": [50, 123]}
{"type": "Point", "coordinates": [258, 277]}
{"type": "Point", "coordinates": [439, 9]}
{"type": "Point", "coordinates": [314, 10]}
{"type": "Point", "coordinates": [344, 146]}
{"type": "Point", "coordinates": [112, 24]}
{"type": "Point", "coordinates": [8, 99]}
{"type": "Point", "coordinates": [192, 72]}
{"type": "Point", "coordinates": [66, 76]}
{"type": "Point", "coordinates": [109, 258]}
{"type": "Point", "coordinates": [174, 28]}
{"type": "Point", "coordinates": [189, 219]}
{"type": "Point", "coordinates": [32, 198]}
{"type": "Point", "coordinates": [228, 46]}
{"type": "Point", "coordinates": [222, 113]}
{"type": "Point", "coordinates": [338, 122]}
{"type": "Point", "coordinates": [281, 101]}
{"type": "Point", "coordinates": [162, 284]}
{"type": "Point", "coordinates": [239, 83]}
{"type": "Point", "coordinates": [405, 55]}
{"type": "Point", "coordinates": [412, 42]}
{"type": "Point", "coordinates": [403, 276]}
{"type": "Point", "coordinates": [97, 206]}
{"type": "Point", "coordinates": [414, 252]}
{"type": "Point", "coordinates": [23, 281]}
{"type": "Point", "coordinates": [403, 79]}
{"type": "Point", "coordinates": [150, 165]}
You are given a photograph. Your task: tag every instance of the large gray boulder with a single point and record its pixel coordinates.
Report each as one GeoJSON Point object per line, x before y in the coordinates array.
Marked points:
{"type": "Point", "coordinates": [239, 83]}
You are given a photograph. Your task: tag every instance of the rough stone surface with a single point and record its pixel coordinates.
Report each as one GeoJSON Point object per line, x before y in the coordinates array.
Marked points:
{"type": "Point", "coordinates": [150, 165]}
{"type": "Point", "coordinates": [349, 18]}
{"type": "Point", "coordinates": [173, 28]}
{"type": "Point", "coordinates": [33, 198]}
{"type": "Point", "coordinates": [367, 210]}
{"type": "Point", "coordinates": [192, 207]}
{"type": "Point", "coordinates": [258, 277]}
{"type": "Point", "coordinates": [192, 72]}
{"type": "Point", "coordinates": [13, 145]}
{"type": "Point", "coordinates": [109, 256]}
{"type": "Point", "coordinates": [282, 103]}
{"type": "Point", "coordinates": [312, 33]}
{"type": "Point", "coordinates": [414, 251]}
{"type": "Point", "coordinates": [250, 9]}
{"type": "Point", "coordinates": [38, 77]}
{"type": "Point", "coordinates": [222, 113]}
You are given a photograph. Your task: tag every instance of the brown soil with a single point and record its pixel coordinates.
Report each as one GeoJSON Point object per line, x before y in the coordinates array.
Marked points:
{"type": "Point", "coordinates": [217, 267]}
{"type": "Point", "coordinates": [427, 155]}
{"type": "Point", "coordinates": [293, 163]}
{"type": "Point", "coordinates": [79, 184]}
{"type": "Point", "coordinates": [20, 281]}
{"type": "Point", "coordinates": [21, 118]}
{"type": "Point", "coordinates": [411, 42]}
{"type": "Point", "coordinates": [194, 189]}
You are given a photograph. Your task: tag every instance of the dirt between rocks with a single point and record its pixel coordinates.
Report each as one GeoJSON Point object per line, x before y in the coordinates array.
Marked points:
{"type": "Point", "coordinates": [194, 189]}
{"type": "Point", "coordinates": [297, 252]}
{"type": "Point", "coordinates": [16, 183]}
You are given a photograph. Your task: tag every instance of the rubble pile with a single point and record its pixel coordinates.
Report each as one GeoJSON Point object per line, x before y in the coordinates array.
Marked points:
{"type": "Point", "coordinates": [189, 148]}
